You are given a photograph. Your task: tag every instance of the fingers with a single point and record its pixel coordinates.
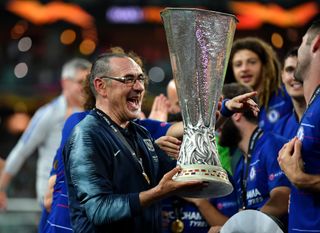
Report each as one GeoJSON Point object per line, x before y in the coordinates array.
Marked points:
{"type": "Point", "coordinates": [286, 152]}
{"type": "Point", "coordinates": [170, 174]}
{"type": "Point", "coordinates": [245, 96]}
{"type": "Point", "coordinates": [170, 145]}
{"type": "Point", "coordinates": [169, 141]}
{"type": "Point", "coordinates": [243, 102]}
{"type": "Point", "coordinates": [297, 153]}
{"type": "Point", "coordinates": [297, 148]}
{"type": "Point", "coordinates": [220, 103]}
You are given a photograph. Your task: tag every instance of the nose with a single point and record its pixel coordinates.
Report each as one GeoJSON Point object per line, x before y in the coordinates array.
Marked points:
{"type": "Point", "coordinates": [244, 66]}
{"type": "Point", "coordinates": [138, 86]}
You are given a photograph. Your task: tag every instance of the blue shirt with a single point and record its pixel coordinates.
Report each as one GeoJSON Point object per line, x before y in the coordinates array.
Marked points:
{"type": "Point", "coordinates": [191, 216]}
{"type": "Point", "coordinates": [58, 220]}
{"type": "Point", "coordinates": [264, 173]}
{"type": "Point", "coordinates": [304, 211]}
{"type": "Point", "coordinates": [279, 105]}
{"type": "Point", "coordinates": [287, 126]}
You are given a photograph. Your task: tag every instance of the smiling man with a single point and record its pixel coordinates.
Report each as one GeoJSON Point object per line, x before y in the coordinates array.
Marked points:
{"type": "Point", "coordinates": [289, 124]}
{"type": "Point", "coordinates": [299, 158]}
{"type": "Point", "coordinates": [115, 173]}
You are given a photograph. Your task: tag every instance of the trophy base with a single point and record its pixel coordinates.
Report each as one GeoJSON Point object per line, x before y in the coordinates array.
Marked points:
{"type": "Point", "coordinates": [216, 177]}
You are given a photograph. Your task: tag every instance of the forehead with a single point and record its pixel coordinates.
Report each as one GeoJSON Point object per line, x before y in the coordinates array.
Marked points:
{"type": "Point", "coordinates": [124, 65]}
{"type": "Point", "coordinates": [290, 61]}
{"type": "Point", "coordinates": [81, 74]}
{"type": "Point", "coordinates": [244, 54]}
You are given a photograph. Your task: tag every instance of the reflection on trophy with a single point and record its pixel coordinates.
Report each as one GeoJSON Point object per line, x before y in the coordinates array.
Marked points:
{"type": "Point", "coordinates": [199, 44]}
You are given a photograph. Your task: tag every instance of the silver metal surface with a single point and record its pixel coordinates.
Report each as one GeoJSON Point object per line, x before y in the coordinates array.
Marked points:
{"type": "Point", "coordinates": [199, 44]}
{"type": "Point", "coordinates": [251, 221]}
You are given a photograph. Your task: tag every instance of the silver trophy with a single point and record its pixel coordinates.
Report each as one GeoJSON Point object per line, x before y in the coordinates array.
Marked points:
{"type": "Point", "coordinates": [199, 44]}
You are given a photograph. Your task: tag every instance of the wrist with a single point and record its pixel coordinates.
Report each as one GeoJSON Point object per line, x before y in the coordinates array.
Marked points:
{"type": "Point", "coordinates": [224, 110]}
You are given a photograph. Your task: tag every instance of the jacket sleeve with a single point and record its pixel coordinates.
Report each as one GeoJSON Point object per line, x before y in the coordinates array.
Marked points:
{"type": "Point", "coordinates": [33, 136]}
{"type": "Point", "coordinates": [89, 167]}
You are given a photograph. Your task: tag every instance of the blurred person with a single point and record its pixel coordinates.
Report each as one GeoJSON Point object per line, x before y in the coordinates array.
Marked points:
{"type": "Point", "coordinates": [174, 106]}
{"type": "Point", "coordinates": [299, 158]}
{"type": "Point", "coordinates": [259, 182]}
{"type": "Point", "coordinates": [115, 173]}
{"type": "Point", "coordinates": [254, 63]}
{"type": "Point", "coordinates": [289, 124]}
{"type": "Point", "coordinates": [44, 130]}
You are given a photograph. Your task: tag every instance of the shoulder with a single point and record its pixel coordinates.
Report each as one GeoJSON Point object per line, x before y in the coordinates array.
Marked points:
{"type": "Point", "coordinates": [151, 123]}
{"type": "Point", "coordinates": [140, 128]}
{"type": "Point", "coordinates": [53, 109]}
{"type": "Point", "coordinates": [280, 99]}
{"type": "Point", "coordinates": [76, 118]}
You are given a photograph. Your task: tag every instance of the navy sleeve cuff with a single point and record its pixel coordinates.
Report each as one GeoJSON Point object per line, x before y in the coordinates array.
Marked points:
{"type": "Point", "coordinates": [134, 202]}
{"type": "Point", "coordinates": [224, 110]}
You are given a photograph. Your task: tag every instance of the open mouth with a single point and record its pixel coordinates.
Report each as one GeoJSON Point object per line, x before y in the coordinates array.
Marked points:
{"type": "Point", "coordinates": [296, 85]}
{"type": "Point", "coordinates": [246, 78]}
{"type": "Point", "coordinates": [133, 103]}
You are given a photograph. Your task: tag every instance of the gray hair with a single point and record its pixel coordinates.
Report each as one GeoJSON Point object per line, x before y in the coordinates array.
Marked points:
{"type": "Point", "coordinates": [101, 67]}
{"type": "Point", "coordinates": [70, 68]}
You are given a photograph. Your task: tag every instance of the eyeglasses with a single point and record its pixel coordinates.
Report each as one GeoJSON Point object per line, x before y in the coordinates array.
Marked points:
{"type": "Point", "coordinates": [129, 80]}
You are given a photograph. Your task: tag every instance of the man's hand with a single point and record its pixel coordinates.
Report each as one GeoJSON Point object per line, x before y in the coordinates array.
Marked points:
{"type": "Point", "coordinates": [170, 145]}
{"type": "Point", "coordinates": [243, 102]}
{"type": "Point", "coordinates": [3, 201]}
{"type": "Point", "coordinates": [239, 103]}
{"type": "Point", "coordinates": [160, 107]}
{"type": "Point", "coordinates": [167, 187]}
{"type": "Point", "coordinates": [215, 229]}
{"type": "Point", "coordinates": [290, 161]}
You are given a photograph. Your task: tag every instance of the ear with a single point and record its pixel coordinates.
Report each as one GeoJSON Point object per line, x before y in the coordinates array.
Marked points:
{"type": "Point", "coordinates": [236, 116]}
{"type": "Point", "coordinates": [316, 44]}
{"type": "Point", "coordinates": [100, 87]}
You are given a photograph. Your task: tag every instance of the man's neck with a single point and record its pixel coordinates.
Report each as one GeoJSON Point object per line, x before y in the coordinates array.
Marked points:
{"type": "Point", "coordinates": [112, 116]}
{"type": "Point", "coordinates": [311, 81]}
{"type": "Point", "coordinates": [299, 105]}
{"type": "Point", "coordinates": [246, 133]}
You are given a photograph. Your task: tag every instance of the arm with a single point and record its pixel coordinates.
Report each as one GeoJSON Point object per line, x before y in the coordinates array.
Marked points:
{"type": "Point", "coordinates": [170, 145]}
{"type": "Point", "coordinates": [291, 163]}
{"type": "Point", "coordinates": [27, 144]}
{"type": "Point", "coordinates": [176, 130]}
{"type": "Point", "coordinates": [4, 181]}
{"type": "Point", "coordinates": [2, 163]}
{"type": "Point", "coordinates": [49, 194]}
{"type": "Point", "coordinates": [237, 104]}
{"type": "Point", "coordinates": [277, 205]}
{"type": "Point", "coordinates": [210, 213]}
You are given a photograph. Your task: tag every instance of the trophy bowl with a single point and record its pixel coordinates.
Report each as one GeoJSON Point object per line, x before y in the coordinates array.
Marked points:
{"type": "Point", "coordinates": [199, 43]}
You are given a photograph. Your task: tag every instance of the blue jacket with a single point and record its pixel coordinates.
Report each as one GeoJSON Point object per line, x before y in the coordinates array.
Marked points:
{"type": "Point", "coordinates": [104, 180]}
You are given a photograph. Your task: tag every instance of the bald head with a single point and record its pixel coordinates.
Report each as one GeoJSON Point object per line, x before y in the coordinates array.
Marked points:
{"type": "Point", "coordinates": [173, 98]}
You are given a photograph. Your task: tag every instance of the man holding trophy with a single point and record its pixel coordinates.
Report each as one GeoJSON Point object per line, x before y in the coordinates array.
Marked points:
{"type": "Point", "coordinates": [116, 175]}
